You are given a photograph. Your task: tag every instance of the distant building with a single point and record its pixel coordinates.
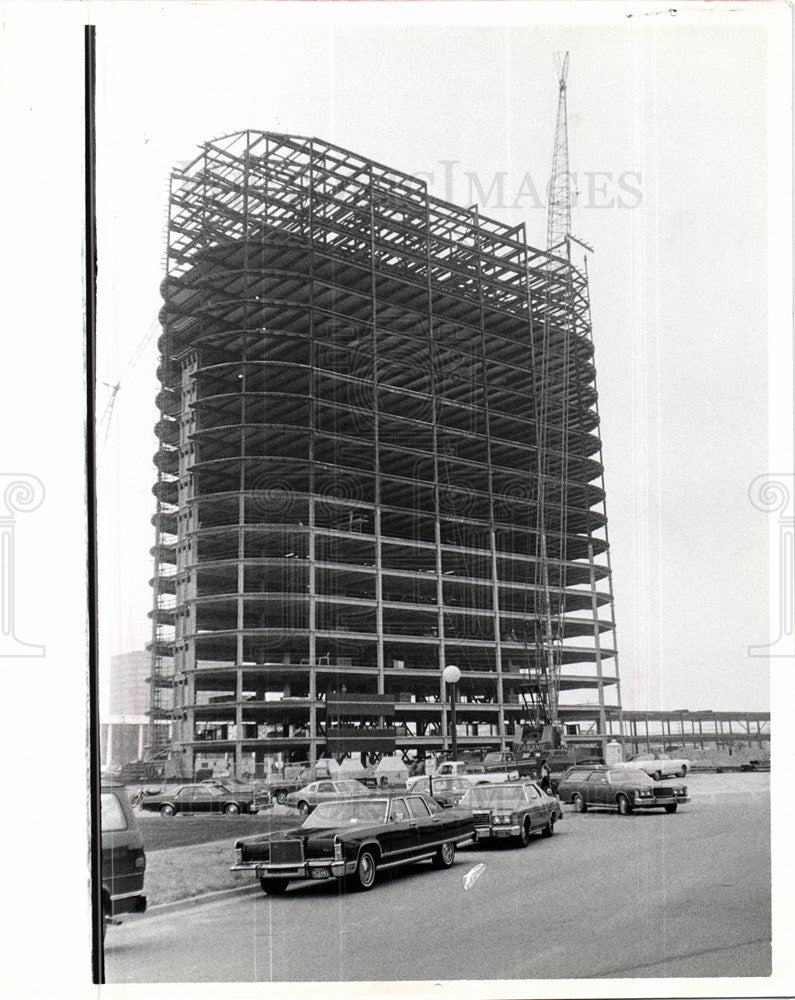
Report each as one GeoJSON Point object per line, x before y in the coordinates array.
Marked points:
{"type": "Point", "coordinates": [123, 734]}
{"type": "Point", "coordinates": [122, 739]}
{"type": "Point", "coordinates": [129, 691]}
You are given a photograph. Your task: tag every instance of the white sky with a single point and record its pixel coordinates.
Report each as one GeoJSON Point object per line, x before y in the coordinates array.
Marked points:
{"type": "Point", "coordinates": [678, 283]}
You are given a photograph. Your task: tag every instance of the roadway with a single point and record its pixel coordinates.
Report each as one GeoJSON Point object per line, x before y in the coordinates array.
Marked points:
{"type": "Point", "coordinates": [647, 895]}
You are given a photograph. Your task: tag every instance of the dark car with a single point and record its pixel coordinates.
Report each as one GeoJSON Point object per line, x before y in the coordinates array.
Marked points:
{"type": "Point", "coordinates": [214, 798]}
{"type": "Point", "coordinates": [515, 809]}
{"type": "Point", "coordinates": [356, 838]}
{"type": "Point", "coordinates": [123, 857]}
{"type": "Point", "coordinates": [606, 788]}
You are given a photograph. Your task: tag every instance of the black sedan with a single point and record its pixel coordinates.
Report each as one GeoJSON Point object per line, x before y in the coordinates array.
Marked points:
{"type": "Point", "coordinates": [356, 838]}
{"type": "Point", "coordinates": [608, 788]}
{"type": "Point", "coordinates": [215, 798]}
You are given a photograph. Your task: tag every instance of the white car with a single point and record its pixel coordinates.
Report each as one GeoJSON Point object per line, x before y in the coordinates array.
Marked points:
{"type": "Point", "coordinates": [661, 765]}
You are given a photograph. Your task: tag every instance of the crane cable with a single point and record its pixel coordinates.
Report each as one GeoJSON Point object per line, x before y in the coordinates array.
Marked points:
{"type": "Point", "coordinates": [132, 361]}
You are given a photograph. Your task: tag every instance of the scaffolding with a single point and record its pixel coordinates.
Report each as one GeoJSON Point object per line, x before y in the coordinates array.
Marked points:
{"type": "Point", "coordinates": [378, 454]}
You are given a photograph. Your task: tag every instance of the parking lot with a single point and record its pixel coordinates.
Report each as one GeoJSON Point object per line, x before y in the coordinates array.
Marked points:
{"type": "Point", "coordinates": [608, 896]}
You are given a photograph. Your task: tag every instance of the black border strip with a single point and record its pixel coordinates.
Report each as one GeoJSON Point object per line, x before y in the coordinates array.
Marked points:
{"type": "Point", "coordinates": [89, 42]}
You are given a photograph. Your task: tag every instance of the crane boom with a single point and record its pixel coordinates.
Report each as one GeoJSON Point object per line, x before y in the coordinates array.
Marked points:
{"type": "Point", "coordinates": [559, 208]}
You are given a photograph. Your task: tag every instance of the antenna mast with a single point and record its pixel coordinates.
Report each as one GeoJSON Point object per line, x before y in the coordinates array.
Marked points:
{"type": "Point", "coordinates": [559, 211]}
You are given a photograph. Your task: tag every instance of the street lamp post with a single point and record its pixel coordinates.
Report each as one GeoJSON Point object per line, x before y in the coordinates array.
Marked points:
{"type": "Point", "coordinates": [451, 675]}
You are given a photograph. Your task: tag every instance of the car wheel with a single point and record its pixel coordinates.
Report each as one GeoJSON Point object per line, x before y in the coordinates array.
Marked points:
{"type": "Point", "coordinates": [445, 856]}
{"type": "Point", "coordinates": [281, 797]}
{"type": "Point", "coordinates": [624, 805]}
{"type": "Point", "coordinates": [682, 771]}
{"type": "Point", "coordinates": [274, 886]}
{"type": "Point", "coordinates": [579, 803]}
{"type": "Point", "coordinates": [303, 808]}
{"type": "Point", "coordinates": [671, 807]}
{"type": "Point", "coordinates": [549, 829]}
{"type": "Point", "coordinates": [657, 776]}
{"type": "Point", "coordinates": [524, 835]}
{"type": "Point", "coordinates": [364, 876]}
{"type": "Point", "coordinates": [231, 808]}
{"type": "Point", "coordinates": [167, 809]}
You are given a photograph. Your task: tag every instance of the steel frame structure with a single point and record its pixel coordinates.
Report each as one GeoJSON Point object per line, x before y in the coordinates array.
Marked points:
{"type": "Point", "coordinates": [378, 455]}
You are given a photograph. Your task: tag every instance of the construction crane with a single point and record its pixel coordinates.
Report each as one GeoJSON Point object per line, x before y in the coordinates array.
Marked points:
{"type": "Point", "coordinates": [132, 361]}
{"type": "Point", "coordinates": [559, 211]}
{"type": "Point", "coordinates": [552, 407]}
{"type": "Point", "coordinates": [562, 314]}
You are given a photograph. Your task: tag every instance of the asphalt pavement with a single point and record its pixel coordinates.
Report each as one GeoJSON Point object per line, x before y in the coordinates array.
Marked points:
{"type": "Point", "coordinates": [647, 895]}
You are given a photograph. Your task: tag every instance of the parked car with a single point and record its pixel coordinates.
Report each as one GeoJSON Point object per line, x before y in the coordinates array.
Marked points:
{"type": "Point", "coordinates": [506, 760]}
{"type": "Point", "coordinates": [123, 856]}
{"type": "Point", "coordinates": [513, 809]}
{"type": "Point", "coordinates": [199, 799]}
{"type": "Point", "coordinates": [756, 765]}
{"type": "Point", "coordinates": [465, 768]}
{"type": "Point", "coordinates": [292, 777]}
{"type": "Point", "coordinates": [355, 838]}
{"type": "Point", "coordinates": [446, 791]}
{"type": "Point", "coordinates": [659, 765]}
{"type": "Point", "coordinates": [609, 788]}
{"type": "Point", "coordinates": [311, 795]}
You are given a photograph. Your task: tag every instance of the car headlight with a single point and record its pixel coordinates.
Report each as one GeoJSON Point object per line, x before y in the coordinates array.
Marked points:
{"type": "Point", "coordinates": [646, 792]}
{"type": "Point", "coordinates": [337, 851]}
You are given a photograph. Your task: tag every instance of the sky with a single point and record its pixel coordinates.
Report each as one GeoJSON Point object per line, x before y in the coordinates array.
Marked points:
{"type": "Point", "coordinates": [668, 136]}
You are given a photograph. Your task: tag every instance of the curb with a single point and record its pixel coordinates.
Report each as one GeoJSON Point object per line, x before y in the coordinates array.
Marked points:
{"type": "Point", "coordinates": [206, 897]}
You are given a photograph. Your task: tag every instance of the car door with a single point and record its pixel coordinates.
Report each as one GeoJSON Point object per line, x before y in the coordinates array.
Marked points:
{"type": "Point", "coordinates": [596, 789]}
{"type": "Point", "coordinates": [400, 839]}
{"type": "Point", "coordinates": [325, 791]}
{"type": "Point", "coordinates": [536, 807]}
{"type": "Point", "coordinates": [184, 798]}
{"type": "Point", "coordinates": [429, 825]}
{"type": "Point", "coordinates": [201, 799]}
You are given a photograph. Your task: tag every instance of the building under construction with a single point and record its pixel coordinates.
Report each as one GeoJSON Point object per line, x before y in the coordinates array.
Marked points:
{"type": "Point", "coordinates": [379, 455]}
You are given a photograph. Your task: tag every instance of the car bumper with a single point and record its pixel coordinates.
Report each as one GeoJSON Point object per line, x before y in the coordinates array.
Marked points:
{"type": "Point", "coordinates": [132, 902]}
{"type": "Point", "coordinates": [485, 832]}
{"type": "Point", "coordinates": [306, 869]}
{"type": "Point", "coordinates": [660, 800]}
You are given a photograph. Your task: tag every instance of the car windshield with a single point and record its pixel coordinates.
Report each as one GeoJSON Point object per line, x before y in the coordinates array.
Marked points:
{"type": "Point", "coordinates": [347, 813]}
{"type": "Point", "coordinates": [112, 813]}
{"type": "Point", "coordinates": [346, 787]}
{"type": "Point", "coordinates": [492, 796]}
{"type": "Point", "coordinates": [636, 777]}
